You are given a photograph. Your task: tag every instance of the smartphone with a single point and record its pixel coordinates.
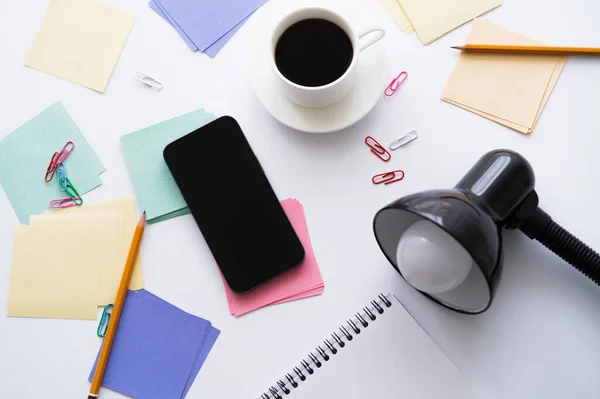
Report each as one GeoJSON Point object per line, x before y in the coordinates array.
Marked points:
{"type": "Point", "coordinates": [234, 204]}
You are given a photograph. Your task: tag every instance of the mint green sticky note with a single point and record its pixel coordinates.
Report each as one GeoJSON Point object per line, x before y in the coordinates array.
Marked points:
{"type": "Point", "coordinates": [157, 192]}
{"type": "Point", "coordinates": [25, 155]}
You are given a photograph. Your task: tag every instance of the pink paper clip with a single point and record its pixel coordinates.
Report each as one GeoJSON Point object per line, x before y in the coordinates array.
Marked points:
{"type": "Point", "coordinates": [395, 84]}
{"type": "Point", "coordinates": [66, 150]}
{"type": "Point", "coordinates": [388, 177]}
{"type": "Point", "coordinates": [63, 203]}
{"type": "Point", "coordinates": [378, 149]}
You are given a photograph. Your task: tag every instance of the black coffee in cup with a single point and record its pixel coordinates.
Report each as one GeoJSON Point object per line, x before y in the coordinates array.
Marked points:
{"type": "Point", "coordinates": [313, 52]}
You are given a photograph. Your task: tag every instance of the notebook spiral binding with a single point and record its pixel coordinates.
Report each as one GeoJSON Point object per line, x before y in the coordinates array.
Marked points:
{"type": "Point", "coordinates": [323, 353]}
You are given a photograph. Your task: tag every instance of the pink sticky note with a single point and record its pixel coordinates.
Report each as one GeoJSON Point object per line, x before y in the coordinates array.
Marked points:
{"type": "Point", "coordinates": [301, 282]}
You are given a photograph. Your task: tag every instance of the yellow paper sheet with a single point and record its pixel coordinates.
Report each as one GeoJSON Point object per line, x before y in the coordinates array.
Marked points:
{"type": "Point", "coordinates": [508, 89]}
{"type": "Point", "coordinates": [126, 208]}
{"type": "Point", "coordinates": [111, 244]}
{"type": "Point", "coordinates": [397, 13]}
{"type": "Point", "coordinates": [54, 273]}
{"type": "Point", "coordinates": [432, 19]}
{"type": "Point", "coordinates": [80, 41]}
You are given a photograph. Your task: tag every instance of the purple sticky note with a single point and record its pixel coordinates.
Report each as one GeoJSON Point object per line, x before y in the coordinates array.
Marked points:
{"type": "Point", "coordinates": [211, 50]}
{"type": "Point", "coordinates": [214, 48]}
{"type": "Point", "coordinates": [158, 349]}
{"type": "Point", "coordinates": [207, 21]}
{"type": "Point", "coordinates": [212, 336]}
{"type": "Point", "coordinates": [156, 7]}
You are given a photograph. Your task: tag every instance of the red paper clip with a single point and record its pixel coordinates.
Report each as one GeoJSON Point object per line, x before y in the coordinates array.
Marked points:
{"type": "Point", "coordinates": [51, 167]}
{"type": "Point", "coordinates": [395, 84]}
{"type": "Point", "coordinates": [378, 149]}
{"type": "Point", "coordinates": [388, 177]}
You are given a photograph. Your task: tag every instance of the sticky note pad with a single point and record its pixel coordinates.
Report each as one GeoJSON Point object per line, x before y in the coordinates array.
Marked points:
{"type": "Point", "coordinates": [158, 349]}
{"type": "Point", "coordinates": [157, 192]}
{"type": "Point", "coordinates": [80, 41]}
{"type": "Point", "coordinates": [25, 155]}
{"type": "Point", "coordinates": [397, 13]}
{"type": "Point", "coordinates": [300, 282]}
{"type": "Point", "coordinates": [211, 50]}
{"type": "Point", "coordinates": [112, 239]}
{"type": "Point", "coordinates": [509, 89]}
{"type": "Point", "coordinates": [125, 210]}
{"type": "Point", "coordinates": [432, 19]}
{"type": "Point", "coordinates": [49, 279]}
{"type": "Point", "coordinates": [205, 22]}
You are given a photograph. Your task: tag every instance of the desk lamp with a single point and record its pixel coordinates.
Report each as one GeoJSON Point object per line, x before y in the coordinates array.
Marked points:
{"type": "Point", "coordinates": [448, 243]}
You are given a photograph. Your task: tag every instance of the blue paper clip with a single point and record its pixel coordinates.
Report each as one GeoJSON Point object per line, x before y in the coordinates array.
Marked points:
{"type": "Point", "coordinates": [61, 173]}
{"type": "Point", "coordinates": [103, 326]}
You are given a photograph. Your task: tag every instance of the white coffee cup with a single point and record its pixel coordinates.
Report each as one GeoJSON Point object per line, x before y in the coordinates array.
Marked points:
{"type": "Point", "coordinates": [330, 93]}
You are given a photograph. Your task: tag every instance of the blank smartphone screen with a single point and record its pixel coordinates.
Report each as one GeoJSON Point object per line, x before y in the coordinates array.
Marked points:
{"type": "Point", "coordinates": [234, 204]}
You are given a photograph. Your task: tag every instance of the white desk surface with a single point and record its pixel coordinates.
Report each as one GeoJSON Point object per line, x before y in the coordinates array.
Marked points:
{"type": "Point", "coordinates": [540, 339]}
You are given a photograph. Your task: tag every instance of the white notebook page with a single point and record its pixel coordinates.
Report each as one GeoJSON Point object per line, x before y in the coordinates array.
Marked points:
{"type": "Point", "coordinates": [391, 358]}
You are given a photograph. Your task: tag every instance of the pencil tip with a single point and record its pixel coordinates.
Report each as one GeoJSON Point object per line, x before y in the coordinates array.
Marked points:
{"type": "Point", "coordinates": [454, 47]}
{"type": "Point", "coordinates": [144, 212]}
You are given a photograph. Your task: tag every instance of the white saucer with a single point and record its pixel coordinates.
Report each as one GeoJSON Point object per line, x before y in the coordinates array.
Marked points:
{"type": "Point", "coordinates": [353, 107]}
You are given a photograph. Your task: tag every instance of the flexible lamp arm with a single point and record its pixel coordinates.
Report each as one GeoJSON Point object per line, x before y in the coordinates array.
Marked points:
{"type": "Point", "coordinates": [538, 225]}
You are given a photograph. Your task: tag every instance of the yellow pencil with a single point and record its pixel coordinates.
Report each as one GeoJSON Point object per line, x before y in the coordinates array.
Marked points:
{"type": "Point", "coordinates": [118, 306]}
{"type": "Point", "coordinates": [531, 50]}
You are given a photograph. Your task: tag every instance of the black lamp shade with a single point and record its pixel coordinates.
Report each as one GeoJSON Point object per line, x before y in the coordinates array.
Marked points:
{"type": "Point", "coordinates": [453, 212]}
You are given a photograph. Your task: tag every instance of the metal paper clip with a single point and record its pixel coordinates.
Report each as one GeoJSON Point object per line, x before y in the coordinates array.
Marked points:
{"type": "Point", "coordinates": [64, 152]}
{"type": "Point", "coordinates": [61, 175]}
{"type": "Point", "coordinates": [404, 140]}
{"type": "Point", "coordinates": [378, 149]}
{"type": "Point", "coordinates": [51, 168]}
{"type": "Point", "coordinates": [148, 81]}
{"type": "Point", "coordinates": [63, 203]}
{"type": "Point", "coordinates": [395, 84]}
{"type": "Point", "coordinates": [388, 177]}
{"type": "Point", "coordinates": [103, 325]}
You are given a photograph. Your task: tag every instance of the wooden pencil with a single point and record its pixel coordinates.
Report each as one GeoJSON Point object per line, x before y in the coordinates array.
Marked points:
{"type": "Point", "coordinates": [117, 308]}
{"type": "Point", "coordinates": [530, 50]}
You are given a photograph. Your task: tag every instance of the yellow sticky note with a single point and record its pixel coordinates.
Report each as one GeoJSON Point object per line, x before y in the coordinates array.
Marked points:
{"type": "Point", "coordinates": [126, 209]}
{"type": "Point", "coordinates": [432, 19]}
{"type": "Point", "coordinates": [397, 13]}
{"type": "Point", "coordinates": [111, 245]}
{"type": "Point", "coordinates": [508, 89]}
{"type": "Point", "coordinates": [54, 274]}
{"type": "Point", "coordinates": [80, 41]}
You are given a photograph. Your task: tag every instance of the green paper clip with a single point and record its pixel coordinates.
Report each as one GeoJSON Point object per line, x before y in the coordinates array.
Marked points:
{"type": "Point", "coordinates": [72, 192]}
{"type": "Point", "coordinates": [103, 326]}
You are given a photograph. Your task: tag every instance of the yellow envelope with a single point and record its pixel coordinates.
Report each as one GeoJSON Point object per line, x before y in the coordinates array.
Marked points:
{"type": "Point", "coordinates": [126, 209]}
{"type": "Point", "coordinates": [432, 19]}
{"type": "Point", "coordinates": [508, 89]}
{"type": "Point", "coordinates": [80, 41]}
{"type": "Point", "coordinates": [55, 273]}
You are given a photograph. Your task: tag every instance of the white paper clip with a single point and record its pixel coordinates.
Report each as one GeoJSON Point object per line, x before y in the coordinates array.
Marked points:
{"type": "Point", "coordinates": [404, 140]}
{"type": "Point", "coordinates": [148, 81]}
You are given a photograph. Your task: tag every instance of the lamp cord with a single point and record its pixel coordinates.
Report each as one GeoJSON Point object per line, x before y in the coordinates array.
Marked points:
{"type": "Point", "coordinates": [571, 250]}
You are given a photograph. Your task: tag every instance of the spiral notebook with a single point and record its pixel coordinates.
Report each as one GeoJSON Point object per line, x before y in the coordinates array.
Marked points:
{"type": "Point", "coordinates": [380, 352]}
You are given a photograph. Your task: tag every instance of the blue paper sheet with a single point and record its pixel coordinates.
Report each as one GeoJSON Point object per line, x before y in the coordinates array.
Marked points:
{"type": "Point", "coordinates": [158, 349]}
{"type": "Point", "coordinates": [205, 22]}
{"type": "Point", "coordinates": [214, 48]}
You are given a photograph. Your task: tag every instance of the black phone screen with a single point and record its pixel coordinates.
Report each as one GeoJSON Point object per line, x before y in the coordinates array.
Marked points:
{"type": "Point", "coordinates": [233, 204]}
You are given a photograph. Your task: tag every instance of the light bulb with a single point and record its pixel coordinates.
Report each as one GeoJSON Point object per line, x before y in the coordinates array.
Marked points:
{"type": "Point", "coordinates": [431, 260]}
